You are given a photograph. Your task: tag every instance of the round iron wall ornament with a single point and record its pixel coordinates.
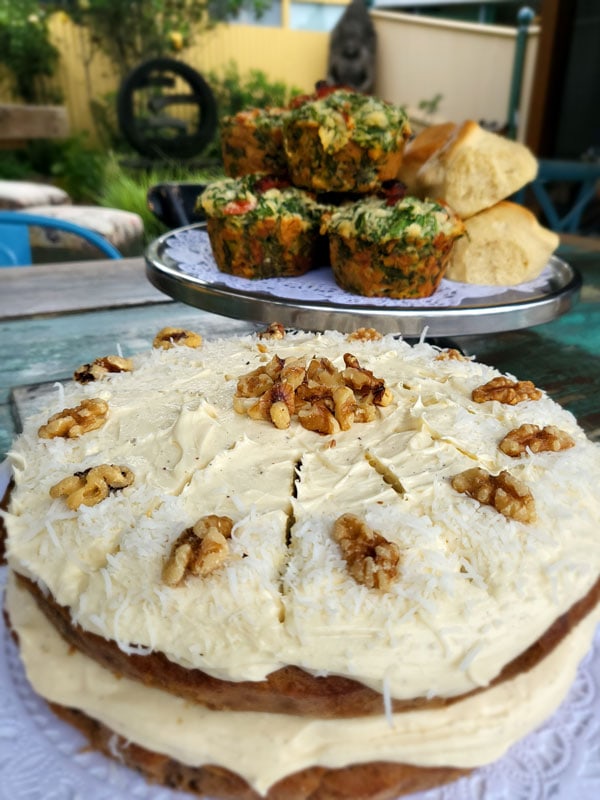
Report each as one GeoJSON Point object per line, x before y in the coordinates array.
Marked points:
{"type": "Point", "coordinates": [166, 109]}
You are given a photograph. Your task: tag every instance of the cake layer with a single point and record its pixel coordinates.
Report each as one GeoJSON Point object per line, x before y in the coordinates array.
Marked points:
{"type": "Point", "coordinates": [289, 690]}
{"type": "Point", "coordinates": [173, 741]}
{"type": "Point", "coordinates": [474, 587]}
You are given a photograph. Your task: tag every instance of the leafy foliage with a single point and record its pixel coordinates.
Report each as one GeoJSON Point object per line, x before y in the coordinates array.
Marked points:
{"type": "Point", "coordinates": [71, 163]}
{"type": "Point", "coordinates": [26, 49]}
{"type": "Point", "coordinates": [235, 92]}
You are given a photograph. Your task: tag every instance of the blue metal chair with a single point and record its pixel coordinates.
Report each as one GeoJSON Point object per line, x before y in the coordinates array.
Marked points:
{"type": "Point", "coordinates": [583, 176]}
{"type": "Point", "coordinates": [15, 249]}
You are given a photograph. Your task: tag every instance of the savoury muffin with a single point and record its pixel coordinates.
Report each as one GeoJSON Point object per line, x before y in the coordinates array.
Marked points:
{"type": "Point", "coordinates": [391, 247]}
{"type": "Point", "coordinates": [262, 227]}
{"type": "Point", "coordinates": [252, 141]}
{"type": "Point", "coordinates": [344, 142]}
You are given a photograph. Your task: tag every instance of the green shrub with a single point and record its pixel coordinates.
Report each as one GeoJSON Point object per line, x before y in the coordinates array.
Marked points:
{"type": "Point", "coordinates": [235, 92]}
{"type": "Point", "coordinates": [26, 50]}
{"type": "Point", "coordinates": [72, 163]}
{"type": "Point", "coordinates": [13, 167]}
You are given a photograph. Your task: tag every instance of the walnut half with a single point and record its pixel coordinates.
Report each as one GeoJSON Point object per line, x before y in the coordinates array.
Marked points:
{"type": "Point", "coordinates": [171, 337]}
{"type": "Point", "coordinates": [100, 367]}
{"type": "Point", "coordinates": [533, 439]}
{"type": "Point", "coordinates": [504, 390]}
{"type": "Point", "coordinates": [199, 550]}
{"type": "Point", "coordinates": [364, 335]}
{"type": "Point", "coordinates": [274, 331]}
{"type": "Point", "coordinates": [504, 492]}
{"type": "Point", "coordinates": [372, 560]}
{"type": "Point", "coordinates": [71, 423]}
{"type": "Point", "coordinates": [90, 487]}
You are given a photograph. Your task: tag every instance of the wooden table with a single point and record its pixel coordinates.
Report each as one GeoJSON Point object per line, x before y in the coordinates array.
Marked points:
{"type": "Point", "coordinates": [55, 317]}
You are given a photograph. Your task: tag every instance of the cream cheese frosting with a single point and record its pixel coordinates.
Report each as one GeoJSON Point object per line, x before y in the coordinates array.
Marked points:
{"type": "Point", "coordinates": [469, 733]}
{"type": "Point", "coordinates": [475, 588]}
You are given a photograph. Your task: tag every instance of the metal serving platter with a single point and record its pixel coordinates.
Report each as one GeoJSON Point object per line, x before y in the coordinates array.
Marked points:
{"type": "Point", "coordinates": [180, 263]}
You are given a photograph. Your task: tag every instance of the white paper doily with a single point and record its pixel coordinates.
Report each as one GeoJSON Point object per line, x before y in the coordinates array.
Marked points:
{"type": "Point", "coordinates": [43, 758]}
{"type": "Point", "coordinates": [190, 249]}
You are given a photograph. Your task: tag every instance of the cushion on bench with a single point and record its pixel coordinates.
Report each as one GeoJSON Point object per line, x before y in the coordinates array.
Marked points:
{"type": "Point", "coordinates": [123, 229]}
{"type": "Point", "coordinates": [22, 195]}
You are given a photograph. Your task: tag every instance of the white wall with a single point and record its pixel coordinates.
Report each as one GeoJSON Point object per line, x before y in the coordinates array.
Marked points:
{"type": "Point", "coordinates": [470, 64]}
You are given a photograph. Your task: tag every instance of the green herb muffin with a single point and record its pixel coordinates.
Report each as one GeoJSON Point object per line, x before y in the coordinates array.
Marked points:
{"type": "Point", "coordinates": [262, 227]}
{"type": "Point", "coordinates": [391, 246]}
{"type": "Point", "coordinates": [252, 141]}
{"type": "Point", "coordinates": [344, 141]}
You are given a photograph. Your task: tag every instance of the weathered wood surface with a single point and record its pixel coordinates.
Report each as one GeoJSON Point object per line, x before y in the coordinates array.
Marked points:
{"type": "Point", "coordinates": [75, 286]}
{"type": "Point", "coordinates": [20, 122]}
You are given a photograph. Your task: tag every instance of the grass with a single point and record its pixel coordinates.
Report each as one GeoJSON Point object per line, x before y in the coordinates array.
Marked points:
{"type": "Point", "coordinates": [127, 188]}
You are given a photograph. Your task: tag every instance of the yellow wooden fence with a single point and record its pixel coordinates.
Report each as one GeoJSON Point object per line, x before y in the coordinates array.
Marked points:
{"type": "Point", "coordinates": [297, 58]}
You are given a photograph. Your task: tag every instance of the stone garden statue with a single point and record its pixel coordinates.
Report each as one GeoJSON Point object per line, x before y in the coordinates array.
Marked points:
{"type": "Point", "coordinates": [352, 49]}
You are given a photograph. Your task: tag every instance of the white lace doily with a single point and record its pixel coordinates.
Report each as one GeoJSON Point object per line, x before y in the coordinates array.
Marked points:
{"type": "Point", "coordinates": [43, 758]}
{"type": "Point", "coordinates": [190, 252]}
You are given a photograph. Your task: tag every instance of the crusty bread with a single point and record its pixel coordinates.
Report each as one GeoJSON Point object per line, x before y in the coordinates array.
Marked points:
{"type": "Point", "coordinates": [475, 169]}
{"type": "Point", "coordinates": [421, 148]}
{"type": "Point", "coordinates": [504, 245]}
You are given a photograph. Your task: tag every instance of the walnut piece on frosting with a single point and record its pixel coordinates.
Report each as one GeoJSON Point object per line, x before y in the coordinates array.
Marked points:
{"type": "Point", "coordinates": [318, 418]}
{"type": "Point", "coordinates": [372, 560]}
{"type": "Point", "coordinates": [100, 367]}
{"type": "Point", "coordinates": [450, 354]}
{"type": "Point", "coordinates": [90, 487]}
{"type": "Point", "coordinates": [505, 390]}
{"type": "Point", "coordinates": [274, 331]}
{"type": "Point", "coordinates": [508, 495]}
{"type": "Point", "coordinates": [171, 337]}
{"type": "Point", "coordinates": [276, 404]}
{"type": "Point", "coordinates": [71, 423]}
{"type": "Point", "coordinates": [364, 383]}
{"type": "Point", "coordinates": [324, 399]}
{"type": "Point", "coordinates": [533, 439]}
{"type": "Point", "coordinates": [199, 550]}
{"type": "Point", "coordinates": [364, 335]}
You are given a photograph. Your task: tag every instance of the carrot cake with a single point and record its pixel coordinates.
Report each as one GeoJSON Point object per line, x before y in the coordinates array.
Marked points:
{"type": "Point", "coordinates": [378, 561]}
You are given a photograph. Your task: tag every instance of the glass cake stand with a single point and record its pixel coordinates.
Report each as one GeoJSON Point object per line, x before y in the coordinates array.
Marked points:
{"type": "Point", "coordinates": [180, 263]}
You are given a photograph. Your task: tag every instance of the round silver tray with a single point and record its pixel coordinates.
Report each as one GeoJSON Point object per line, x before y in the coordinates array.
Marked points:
{"type": "Point", "coordinates": [180, 263]}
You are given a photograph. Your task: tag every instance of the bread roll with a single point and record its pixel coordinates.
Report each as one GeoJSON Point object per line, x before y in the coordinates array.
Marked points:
{"type": "Point", "coordinates": [419, 149]}
{"type": "Point", "coordinates": [475, 169]}
{"type": "Point", "coordinates": [504, 245]}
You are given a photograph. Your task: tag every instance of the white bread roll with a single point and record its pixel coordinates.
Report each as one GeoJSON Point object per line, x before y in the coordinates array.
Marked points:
{"type": "Point", "coordinates": [504, 245]}
{"type": "Point", "coordinates": [475, 169]}
{"type": "Point", "coordinates": [419, 149]}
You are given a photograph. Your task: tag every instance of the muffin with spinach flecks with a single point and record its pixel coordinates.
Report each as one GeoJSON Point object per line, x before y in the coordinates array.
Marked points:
{"type": "Point", "coordinates": [390, 247]}
{"type": "Point", "coordinates": [252, 141]}
{"type": "Point", "coordinates": [262, 227]}
{"type": "Point", "coordinates": [344, 142]}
